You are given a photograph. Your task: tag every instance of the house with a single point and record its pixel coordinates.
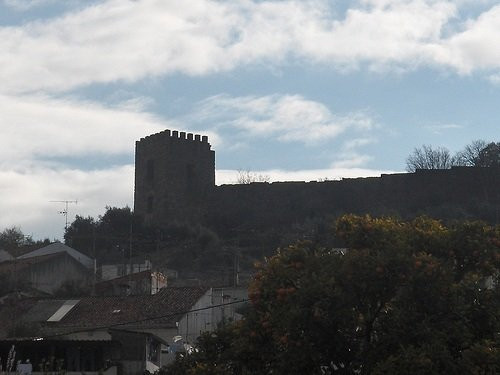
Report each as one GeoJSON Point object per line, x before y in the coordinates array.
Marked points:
{"type": "Point", "coordinates": [47, 273]}
{"type": "Point", "coordinates": [112, 271]}
{"type": "Point", "coordinates": [58, 247]}
{"type": "Point", "coordinates": [145, 282]}
{"type": "Point", "coordinates": [125, 334]}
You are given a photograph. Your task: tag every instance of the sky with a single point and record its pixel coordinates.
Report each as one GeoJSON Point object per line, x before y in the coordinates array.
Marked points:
{"type": "Point", "coordinates": [291, 89]}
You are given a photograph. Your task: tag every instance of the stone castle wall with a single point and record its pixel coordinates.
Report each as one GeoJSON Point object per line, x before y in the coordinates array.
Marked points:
{"type": "Point", "coordinates": [458, 193]}
{"type": "Point", "coordinates": [174, 175]}
{"type": "Point", "coordinates": [175, 182]}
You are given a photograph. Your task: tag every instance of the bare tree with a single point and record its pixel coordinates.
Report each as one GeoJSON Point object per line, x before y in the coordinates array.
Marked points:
{"type": "Point", "coordinates": [479, 154]}
{"type": "Point", "coordinates": [469, 156]}
{"type": "Point", "coordinates": [247, 177]}
{"type": "Point", "coordinates": [427, 157]}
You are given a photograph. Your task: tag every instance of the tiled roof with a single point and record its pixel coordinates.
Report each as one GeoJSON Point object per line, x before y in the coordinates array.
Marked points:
{"type": "Point", "coordinates": [10, 312]}
{"type": "Point", "coordinates": [132, 312]}
{"type": "Point", "coordinates": [179, 299]}
{"type": "Point", "coordinates": [166, 307]}
{"type": "Point", "coordinates": [58, 247]}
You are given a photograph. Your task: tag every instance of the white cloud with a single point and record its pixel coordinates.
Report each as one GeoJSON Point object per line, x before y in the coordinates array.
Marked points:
{"type": "Point", "coordinates": [476, 47]}
{"type": "Point", "coordinates": [358, 142]}
{"type": "Point", "coordinates": [441, 128]}
{"type": "Point", "coordinates": [383, 32]}
{"type": "Point", "coordinates": [39, 126]}
{"type": "Point", "coordinates": [288, 118]}
{"type": "Point", "coordinates": [124, 40]}
{"type": "Point", "coordinates": [349, 155]}
{"type": "Point", "coordinates": [26, 196]}
{"type": "Point", "coordinates": [351, 160]}
{"type": "Point", "coordinates": [23, 5]}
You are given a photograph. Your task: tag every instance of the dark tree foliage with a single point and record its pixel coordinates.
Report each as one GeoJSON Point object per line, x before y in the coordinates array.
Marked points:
{"type": "Point", "coordinates": [81, 234]}
{"type": "Point", "coordinates": [489, 156]}
{"type": "Point", "coordinates": [16, 242]}
{"type": "Point", "coordinates": [120, 233]}
{"type": "Point", "coordinates": [427, 157]}
{"type": "Point", "coordinates": [404, 298]}
{"type": "Point", "coordinates": [11, 238]}
{"type": "Point", "coordinates": [479, 154]}
{"type": "Point", "coordinates": [110, 234]}
{"type": "Point", "coordinates": [469, 156]}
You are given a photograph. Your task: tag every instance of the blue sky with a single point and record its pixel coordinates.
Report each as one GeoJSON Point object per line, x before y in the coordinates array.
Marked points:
{"type": "Point", "coordinates": [296, 90]}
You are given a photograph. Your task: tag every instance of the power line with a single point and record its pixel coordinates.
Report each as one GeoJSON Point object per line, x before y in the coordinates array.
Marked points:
{"type": "Point", "coordinates": [108, 326]}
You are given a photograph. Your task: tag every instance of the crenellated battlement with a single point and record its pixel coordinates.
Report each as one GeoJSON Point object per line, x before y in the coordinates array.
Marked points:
{"type": "Point", "coordinates": [175, 172]}
{"type": "Point", "coordinates": [175, 136]}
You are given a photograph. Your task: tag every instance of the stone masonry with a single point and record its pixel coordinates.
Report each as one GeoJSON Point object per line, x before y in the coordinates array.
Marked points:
{"type": "Point", "coordinates": [174, 174]}
{"type": "Point", "coordinates": [175, 182]}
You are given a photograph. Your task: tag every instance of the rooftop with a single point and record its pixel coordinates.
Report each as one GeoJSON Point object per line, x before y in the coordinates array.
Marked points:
{"type": "Point", "coordinates": [163, 310]}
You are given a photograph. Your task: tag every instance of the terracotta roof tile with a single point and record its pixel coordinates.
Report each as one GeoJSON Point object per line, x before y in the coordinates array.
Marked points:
{"type": "Point", "coordinates": [167, 307]}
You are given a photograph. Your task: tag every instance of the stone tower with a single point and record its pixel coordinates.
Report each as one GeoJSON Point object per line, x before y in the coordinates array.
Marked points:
{"type": "Point", "coordinates": [174, 174]}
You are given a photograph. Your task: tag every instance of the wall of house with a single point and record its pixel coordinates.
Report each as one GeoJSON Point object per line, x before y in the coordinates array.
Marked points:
{"type": "Point", "coordinates": [113, 271]}
{"type": "Point", "coordinates": [193, 324]}
{"type": "Point", "coordinates": [49, 276]}
{"type": "Point", "coordinates": [227, 296]}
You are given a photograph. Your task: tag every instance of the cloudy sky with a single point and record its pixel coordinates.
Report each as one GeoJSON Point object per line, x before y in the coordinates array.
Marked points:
{"type": "Point", "coordinates": [295, 89]}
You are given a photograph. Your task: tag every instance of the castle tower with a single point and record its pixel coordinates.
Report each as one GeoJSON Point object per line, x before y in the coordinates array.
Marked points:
{"type": "Point", "coordinates": [174, 173]}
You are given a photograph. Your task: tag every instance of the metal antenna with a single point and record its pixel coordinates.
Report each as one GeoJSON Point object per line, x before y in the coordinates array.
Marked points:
{"type": "Point", "coordinates": [65, 211]}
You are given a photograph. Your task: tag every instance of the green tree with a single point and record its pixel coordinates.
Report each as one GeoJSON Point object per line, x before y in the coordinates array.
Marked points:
{"type": "Point", "coordinates": [109, 234]}
{"type": "Point", "coordinates": [217, 354]}
{"type": "Point", "coordinates": [81, 234]}
{"type": "Point", "coordinates": [406, 297]}
{"type": "Point", "coordinates": [13, 238]}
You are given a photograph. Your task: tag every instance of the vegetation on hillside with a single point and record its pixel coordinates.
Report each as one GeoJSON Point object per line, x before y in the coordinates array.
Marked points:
{"type": "Point", "coordinates": [119, 234]}
{"type": "Point", "coordinates": [412, 297]}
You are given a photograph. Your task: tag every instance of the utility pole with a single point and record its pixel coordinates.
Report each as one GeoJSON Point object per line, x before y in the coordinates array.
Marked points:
{"type": "Point", "coordinates": [65, 211]}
